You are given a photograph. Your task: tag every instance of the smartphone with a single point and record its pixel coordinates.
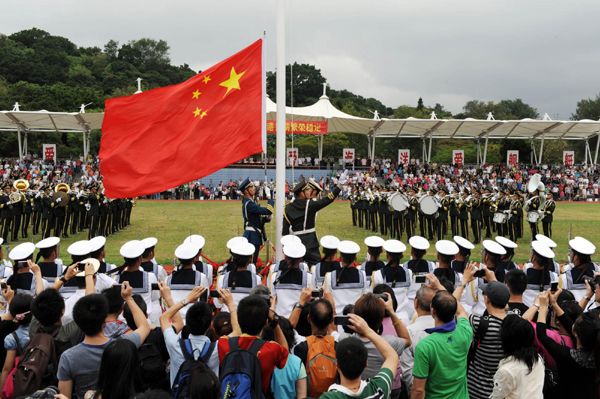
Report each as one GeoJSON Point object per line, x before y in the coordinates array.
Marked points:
{"type": "Point", "coordinates": [117, 288]}
{"type": "Point", "coordinates": [155, 287]}
{"type": "Point", "coordinates": [480, 273]}
{"type": "Point", "coordinates": [3, 286]}
{"type": "Point", "coordinates": [591, 281]}
{"type": "Point", "coordinates": [554, 286]}
{"type": "Point", "coordinates": [381, 296]}
{"type": "Point", "coordinates": [317, 294]}
{"type": "Point", "coordinates": [419, 279]}
{"type": "Point", "coordinates": [22, 265]}
{"type": "Point", "coordinates": [214, 294]}
{"type": "Point", "coordinates": [341, 321]}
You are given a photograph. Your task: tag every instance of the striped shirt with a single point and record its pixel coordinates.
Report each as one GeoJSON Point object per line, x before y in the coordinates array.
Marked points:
{"type": "Point", "coordinates": [480, 376]}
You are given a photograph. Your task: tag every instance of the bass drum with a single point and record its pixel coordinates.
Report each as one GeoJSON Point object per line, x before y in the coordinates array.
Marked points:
{"type": "Point", "coordinates": [533, 217]}
{"type": "Point", "coordinates": [397, 201]}
{"type": "Point", "coordinates": [499, 217]}
{"type": "Point", "coordinates": [428, 205]}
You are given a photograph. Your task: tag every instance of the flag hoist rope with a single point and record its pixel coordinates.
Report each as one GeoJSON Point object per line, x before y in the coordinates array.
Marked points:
{"type": "Point", "coordinates": [280, 99]}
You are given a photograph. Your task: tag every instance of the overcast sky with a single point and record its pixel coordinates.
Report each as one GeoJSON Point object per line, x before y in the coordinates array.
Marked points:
{"type": "Point", "coordinates": [448, 52]}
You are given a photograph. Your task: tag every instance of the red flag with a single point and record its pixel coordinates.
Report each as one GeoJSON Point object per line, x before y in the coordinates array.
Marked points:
{"type": "Point", "coordinates": [162, 138]}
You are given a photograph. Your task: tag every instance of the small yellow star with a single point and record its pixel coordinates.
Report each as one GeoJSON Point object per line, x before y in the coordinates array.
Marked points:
{"type": "Point", "coordinates": [196, 94]}
{"type": "Point", "coordinates": [233, 82]}
{"type": "Point", "coordinates": [203, 115]}
{"type": "Point", "coordinates": [206, 79]}
{"type": "Point", "coordinates": [197, 112]}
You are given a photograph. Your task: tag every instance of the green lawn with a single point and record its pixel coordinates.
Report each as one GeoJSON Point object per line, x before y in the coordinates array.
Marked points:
{"type": "Point", "coordinates": [172, 221]}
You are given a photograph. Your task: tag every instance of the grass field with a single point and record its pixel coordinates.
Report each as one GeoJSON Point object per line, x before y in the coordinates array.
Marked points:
{"type": "Point", "coordinates": [172, 221]}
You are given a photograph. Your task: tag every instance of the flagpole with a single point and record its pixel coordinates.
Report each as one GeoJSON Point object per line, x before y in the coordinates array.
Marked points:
{"type": "Point", "coordinates": [280, 98]}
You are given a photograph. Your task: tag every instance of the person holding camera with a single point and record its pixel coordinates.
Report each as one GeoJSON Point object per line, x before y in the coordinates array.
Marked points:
{"type": "Point", "coordinates": [27, 278]}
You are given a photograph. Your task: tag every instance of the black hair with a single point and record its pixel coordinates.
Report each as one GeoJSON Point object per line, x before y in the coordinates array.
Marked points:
{"type": "Point", "coordinates": [493, 258]}
{"type": "Point", "coordinates": [517, 337]}
{"type": "Point", "coordinates": [96, 254]}
{"type": "Point", "coordinates": [198, 318]}
{"type": "Point", "coordinates": [268, 334]}
{"type": "Point", "coordinates": [291, 262]}
{"type": "Point", "coordinates": [394, 258]}
{"type": "Point", "coordinates": [222, 324]}
{"type": "Point", "coordinates": [351, 356]}
{"type": "Point", "coordinates": [126, 263]}
{"type": "Point", "coordinates": [253, 313]}
{"type": "Point", "coordinates": [203, 382]}
{"type": "Point", "coordinates": [380, 289]}
{"type": "Point", "coordinates": [447, 284]}
{"type": "Point", "coordinates": [464, 251]}
{"type": "Point", "coordinates": [14, 281]}
{"type": "Point", "coordinates": [328, 252]}
{"type": "Point", "coordinates": [154, 394]}
{"type": "Point", "coordinates": [303, 327]}
{"type": "Point", "coordinates": [45, 253]}
{"type": "Point", "coordinates": [419, 253]}
{"type": "Point", "coordinates": [565, 295]}
{"type": "Point", "coordinates": [137, 298]}
{"type": "Point", "coordinates": [446, 259]}
{"type": "Point", "coordinates": [119, 375]}
{"type": "Point", "coordinates": [242, 260]}
{"type": "Point", "coordinates": [47, 307]}
{"type": "Point", "coordinates": [90, 313]}
{"type": "Point", "coordinates": [321, 313]}
{"type": "Point", "coordinates": [348, 259]}
{"type": "Point", "coordinates": [582, 257]}
{"type": "Point", "coordinates": [572, 310]}
{"type": "Point", "coordinates": [516, 280]}
{"type": "Point", "coordinates": [444, 305]}
{"type": "Point", "coordinates": [375, 252]}
{"type": "Point", "coordinates": [147, 252]}
{"type": "Point", "coordinates": [587, 328]}
{"type": "Point", "coordinates": [115, 300]}
{"type": "Point", "coordinates": [21, 305]}
{"type": "Point", "coordinates": [510, 252]}
{"type": "Point", "coordinates": [546, 263]}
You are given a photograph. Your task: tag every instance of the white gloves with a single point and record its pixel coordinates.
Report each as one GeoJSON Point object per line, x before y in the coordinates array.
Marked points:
{"type": "Point", "coordinates": [406, 204]}
{"type": "Point", "coordinates": [105, 201]}
{"type": "Point", "coordinates": [528, 202]}
{"type": "Point", "coordinates": [506, 211]}
{"type": "Point", "coordinates": [58, 200]}
{"type": "Point", "coordinates": [87, 206]}
{"type": "Point", "coordinates": [38, 195]}
{"type": "Point", "coordinates": [540, 211]}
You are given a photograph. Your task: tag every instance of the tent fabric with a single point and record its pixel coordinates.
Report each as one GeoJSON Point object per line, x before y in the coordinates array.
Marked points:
{"type": "Point", "coordinates": [44, 121]}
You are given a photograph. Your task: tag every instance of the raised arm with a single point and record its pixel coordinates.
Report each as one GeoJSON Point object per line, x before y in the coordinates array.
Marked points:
{"type": "Point", "coordinates": [143, 328]}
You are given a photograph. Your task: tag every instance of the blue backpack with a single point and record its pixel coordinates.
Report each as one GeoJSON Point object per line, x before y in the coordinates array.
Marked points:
{"type": "Point", "coordinates": [240, 372]}
{"type": "Point", "coordinates": [181, 385]}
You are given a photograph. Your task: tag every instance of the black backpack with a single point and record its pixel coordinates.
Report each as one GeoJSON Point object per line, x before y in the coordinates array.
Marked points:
{"type": "Point", "coordinates": [152, 368]}
{"type": "Point", "coordinates": [181, 385]}
{"type": "Point", "coordinates": [484, 323]}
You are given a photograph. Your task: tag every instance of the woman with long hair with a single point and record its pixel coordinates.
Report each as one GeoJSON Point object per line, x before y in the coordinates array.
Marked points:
{"type": "Point", "coordinates": [15, 342]}
{"type": "Point", "coordinates": [521, 373]}
{"type": "Point", "coordinates": [119, 376]}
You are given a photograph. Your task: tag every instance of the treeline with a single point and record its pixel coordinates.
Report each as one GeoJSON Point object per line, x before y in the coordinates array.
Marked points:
{"type": "Point", "coordinates": [42, 71]}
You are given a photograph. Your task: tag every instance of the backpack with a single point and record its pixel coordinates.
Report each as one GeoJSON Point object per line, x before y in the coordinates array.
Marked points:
{"type": "Point", "coordinates": [9, 389]}
{"type": "Point", "coordinates": [240, 371]}
{"type": "Point", "coordinates": [320, 364]}
{"type": "Point", "coordinates": [181, 384]}
{"type": "Point", "coordinates": [484, 323]}
{"type": "Point", "coordinates": [152, 367]}
{"type": "Point", "coordinates": [37, 365]}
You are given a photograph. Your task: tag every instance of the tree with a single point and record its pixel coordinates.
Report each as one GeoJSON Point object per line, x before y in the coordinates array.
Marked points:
{"type": "Point", "coordinates": [420, 104]}
{"type": "Point", "coordinates": [306, 80]}
{"type": "Point", "coordinates": [519, 110]}
{"type": "Point", "coordinates": [112, 48]}
{"type": "Point", "coordinates": [587, 109]}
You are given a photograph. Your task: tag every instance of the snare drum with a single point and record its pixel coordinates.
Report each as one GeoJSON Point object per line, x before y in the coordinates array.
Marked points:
{"type": "Point", "coordinates": [499, 217]}
{"type": "Point", "coordinates": [428, 205]}
{"type": "Point", "coordinates": [397, 201]}
{"type": "Point", "coordinates": [533, 217]}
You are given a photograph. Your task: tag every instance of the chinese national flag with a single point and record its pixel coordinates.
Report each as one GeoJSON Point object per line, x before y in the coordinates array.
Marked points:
{"type": "Point", "coordinates": [162, 138]}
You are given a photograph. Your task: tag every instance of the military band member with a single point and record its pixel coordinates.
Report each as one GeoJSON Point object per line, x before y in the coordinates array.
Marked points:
{"type": "Point", "coordinates": [17, 212]}
{"type": "Point", "coordinates": [373, 208]}
{"type": "Point", "coordinates": [580, 266]}
{"type": "Point", "coordinates": [49, 251]}
{"type": "Point", "coordinates": [533, 205]}
{"type": "Point", "coordinates": [299, 217]}
{"type": "Point", "coordinates": [410, 217]}
{"type": "Point", "coordinates": [430, 219]}
{"type": "Point", "coordinates": [397, 224]}
{"type": "Point", "coordinates": [442, 219]}
{"type": "Point", "coordinates": [37, 211]}
{"type": "Point", "coordinates": [27, 211]}
{"type": "Point", "coordinates": [94, 211]}
{"type": "Point", "coordinates": [48, 206]}
{"type": "Point", "coordinates": [328, 263]}
{"type": "Point", "coordinates": [539, 276]}
{"type": "Point", "coordinates": [374, 249]}
{"type": "Point", "coordinates": [463, 205]}
{"type": "Point", "coordinates": [502, 205]}
{"type": "Point", "coordinates": [515, 213]}
{"type": "Point", "coordinates": [360, 207]}
{"type": "Point", "coordinates": [6, 206]}
{"type": "Point", "coordinates": [461, 259]}
{"type": "Point", "coordinates": [486, 212]}
{"type": "Point", "coordinates": [547, 216]}
{"type": "Point", "coordinates": [251, 213]}
{"type": "Point", "coordinates": [353, 207]}
{"type": "Point", "coordinates": [476, 215]}
{"type": "Point", "coordinates": [454, 212]}
{"type": "Point", "coordinates": [60, 218]}
{"type": "Point", "coordinates": [383, 207]}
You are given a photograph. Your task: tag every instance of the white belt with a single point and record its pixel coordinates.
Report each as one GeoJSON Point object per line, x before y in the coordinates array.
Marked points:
{"type": "Point", "coordinates": [251, 229]}
{"type": "Point", "coordinates": [299, 233]}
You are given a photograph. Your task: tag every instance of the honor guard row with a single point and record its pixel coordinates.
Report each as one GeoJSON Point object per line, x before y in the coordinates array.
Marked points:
{"type": "Point", "coordinates": [439, 212]}
{"type": "Point", "coordinates": [60, 211]}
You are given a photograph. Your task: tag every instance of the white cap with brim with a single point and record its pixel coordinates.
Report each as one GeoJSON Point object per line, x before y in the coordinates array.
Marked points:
{"type": "Point", "coordinates": [418, 242]}
{"type": "Point", "coordinates": [1, 241]}
{"type": "Point", "coordinates": [243, 249]}
{"type": "Point", "coordinates": [150, 242]}
{"type": "Point", "coordinates": [22, 251]}
{"type": "Point", "coordinates": [330, 242]}
{"type": "Point", "coordinates": [97, 243]}
{"type": "Point", "coordinates": [583, 246]}
{"type": "Point", "coordinates": [493, 247]}
{"type": "Point", "coordinates": [348, 247]}
{"type": "Point", "coordinates": [545, 240]}
{"type": "Point", "coordinates": [197, 240]}
{"type": "Point", "coordinates": [132, 249]}
{"type": "Point", "coordinates": [374, 242]}
{"type": "Point", "coordinates": [394, 246]}
{"type": "Point", "coordinates": [48, 242]}
{"type": "Point", "coordinates": [93, 262]}
{"type": "Point", "coordinates": [235, 241]}
{"type": "Point", "coordinates": [446, 247]}
{"type": "Point", "coordinates": [463, 242]}
{"type": "Point", "coordinates": [294, 250]}
{"type": "Point", "coordinates": [505, 242]}
{"type": "Point", "coordinates": [80, 248]}
{"type": "Point", "coordinates": [290, 239]}
{"type": "Point", "coordinates": [542, 249]}
{"type": "Point", "coordinates": [186, 251]}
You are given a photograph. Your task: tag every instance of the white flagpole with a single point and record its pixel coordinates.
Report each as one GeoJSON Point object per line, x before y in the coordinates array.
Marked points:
{"type": "Point", "coordinates": [280, 90]}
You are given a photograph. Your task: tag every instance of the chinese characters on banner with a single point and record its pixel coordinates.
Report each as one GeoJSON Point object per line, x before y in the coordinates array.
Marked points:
{"type": "Point", "coordinates": [348, 155]}
{"type": "Point", "coordinates": [299, 127]}
{"type": "Point", "coordinates": [292, 157]}
{"type": "Point", "coordinates": [458, 157]}
{"type": "Point", "coordinates": [568, 158]}
{"type": "Point", "coordinates": [49, 151]}
{"type": "Point", "coordinates": [512, 157]}
{"type": "Point", "coordinates": [404, 157]}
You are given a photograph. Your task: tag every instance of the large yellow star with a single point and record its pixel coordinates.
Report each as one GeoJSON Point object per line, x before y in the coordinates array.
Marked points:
{"type": "Point", "coordinates": [233, 82]}
{"type": "Point", "coordinates": [197, 112]}
{"type": "Point", "coordinates": [203, 115]}
{"type": "Point", "coordinates": [196, 94]}
{"type": "Point", "coordinates": [206, 79]}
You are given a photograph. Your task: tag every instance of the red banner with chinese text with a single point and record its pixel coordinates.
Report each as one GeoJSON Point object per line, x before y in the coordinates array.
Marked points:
{"type": "Point", "coordinates": [299, 127]}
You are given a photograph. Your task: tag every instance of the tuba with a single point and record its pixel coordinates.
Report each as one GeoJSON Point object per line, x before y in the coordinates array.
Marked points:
{"type": "Point", "coordinates": [21, 185]}
{"type": "Point", "coordinates": [61, 191]}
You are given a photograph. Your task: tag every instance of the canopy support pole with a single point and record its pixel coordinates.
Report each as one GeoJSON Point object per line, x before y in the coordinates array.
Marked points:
{"type": "Point", "coordinates": [487, 136]}
{"type": "Point", "coordinates": [424, 148]}
{"type": "Point", "coordinates": [429, 155]}
{"type": "Point", "coordinates": [597, 144]}
{"type": "Point", "coordinates": [369, 145]}
{"type": "Point", "coordinates": [588, 151]}
{"type": "Point", "coordinates": [541, 150]}
{"type": "Point", "coordinates": [321, 147]}
{"type": "Point", "coordinates": [84, 146]}
{"type": "Point", "coordinates": [533, 154]}
{"type": "Point", "coordinates": [478, 153]}
{"type": "Point", "coordinates": [25, 134]}
{"type": "Point", "coordinates": [280, 98]}
{"type": "Point", "coordinates": [20, 144]}
{"type": "Point", "coordinates": [373, 148]}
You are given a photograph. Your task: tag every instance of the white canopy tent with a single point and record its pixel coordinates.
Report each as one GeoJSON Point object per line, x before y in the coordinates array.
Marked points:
{"type": "Point", "coordinates": [24, 122]}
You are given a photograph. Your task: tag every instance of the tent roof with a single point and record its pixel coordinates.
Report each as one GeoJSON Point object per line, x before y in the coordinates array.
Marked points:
{"type": "Point", "coordinates": [45, 121]}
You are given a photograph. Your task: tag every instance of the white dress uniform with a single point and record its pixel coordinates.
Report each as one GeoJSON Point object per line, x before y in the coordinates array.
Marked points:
{"type": "Point", "coordinates": [206, 269]}
{"type": "Point", "coordinates": [573, 277]}
{"type": "Point", "coordinates": [418, 267]}
{"type": "Point", "coordinates": [154, 268]}
{"type": "Point", "coordinates": [5, 272]}
{"type": "Point", "coordinates": [50, 270]}
{"type": "Point", "coordinates": [555, 267]}
{"type": "Point", "coordinates": [223, 269]}
{"type": "Point", "coordinates": [399, 280]}
{"type": "Point", "coordinates": [539, 278]}
{"type": "Point", "coordinates": [286, 283]}
{"type": "Point", "coordinates": [240, 283]}
{"type": "Point", "coordinates": [370, 266]}
{"type": "Point", "coordinates": [319, 271]}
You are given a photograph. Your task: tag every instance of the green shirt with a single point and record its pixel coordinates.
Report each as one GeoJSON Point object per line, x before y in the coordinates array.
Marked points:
{"type": "Point", "coordinates": [441, 357]}
{"type": "Point", "coordinates": [378, 387]}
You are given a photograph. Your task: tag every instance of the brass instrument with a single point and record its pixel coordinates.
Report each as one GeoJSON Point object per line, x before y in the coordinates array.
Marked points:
{"type": "Point", "coordinates": [21, 185]}
{"type": "Point", "coordinates": [61, 191]}
{"type": "Point", "coordinates": [135, 200]}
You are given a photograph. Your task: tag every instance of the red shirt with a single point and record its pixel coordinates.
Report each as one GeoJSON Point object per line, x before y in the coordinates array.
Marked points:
{"type": "Point", "coordinates": [271, 355]}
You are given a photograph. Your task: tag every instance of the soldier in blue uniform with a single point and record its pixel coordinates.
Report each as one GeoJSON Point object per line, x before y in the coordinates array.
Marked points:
{"type": "Point", "coordinates": [251, 213]}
